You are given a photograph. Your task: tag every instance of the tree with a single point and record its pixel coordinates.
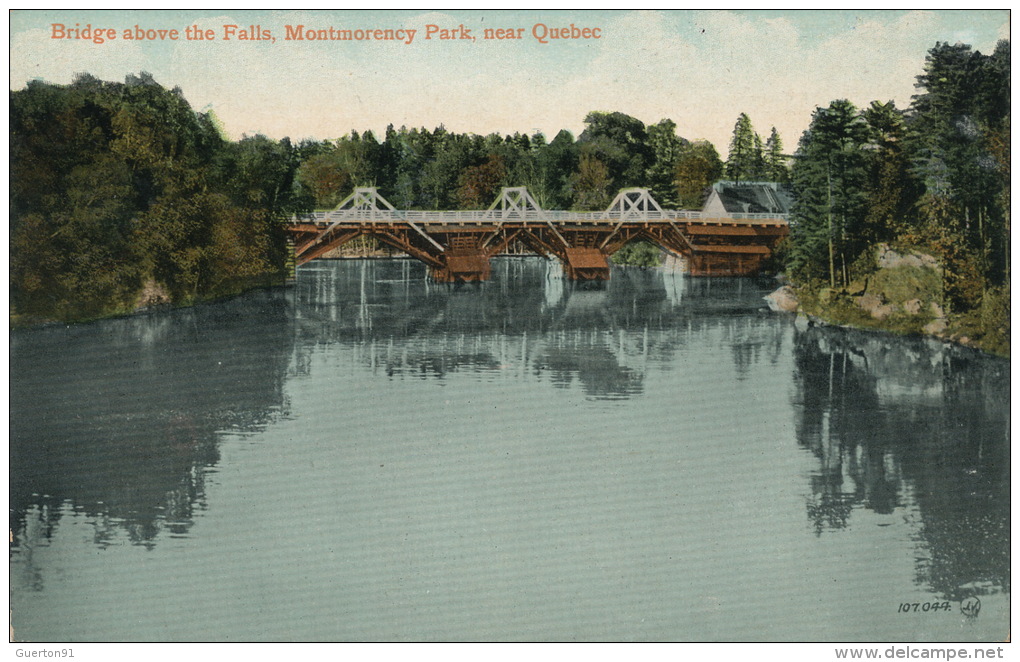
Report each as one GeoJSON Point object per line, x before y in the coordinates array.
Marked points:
{"type": "Point", "coordinates": [590, 184]}
{"type": "Point", "coordinates": [775, 160]}
{"type": "Point", "coordinates": [697, 168]}
{"type": "Point", "coordinates": [554, 166]}
{"type": "Point", "coordinates": [479, 185]}
{"type": "Point", "coordinates": [829, 177]}
{"type": "Point", "coordinates": [746, 161]}
{"type": "Point", "coordinates": [665, 147]}
{"type": "Point", "coordinates": [117, 184]}
{"type": "Point", "coordinates": [620, 142]}
{"type": "Point", "coordinates": [965, 101]}
{"type": "Point", "coordinates": [891, 192]}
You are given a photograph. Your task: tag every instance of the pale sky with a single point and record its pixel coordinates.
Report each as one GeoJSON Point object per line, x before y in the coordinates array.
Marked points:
{"type": "Point", "coordinates": [699, 68]}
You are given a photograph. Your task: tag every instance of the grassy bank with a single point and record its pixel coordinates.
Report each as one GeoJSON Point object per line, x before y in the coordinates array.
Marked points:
{"type": "Point", "coordinates": [904, 293]}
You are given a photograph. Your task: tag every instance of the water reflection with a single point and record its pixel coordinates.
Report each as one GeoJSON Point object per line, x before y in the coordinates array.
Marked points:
{"type": "Point", "coordinates": [122, 421]}
{"type": "Point", "coordinates": [599, 336]}
{"type": "Point", "coordinates": [118, 420]}
{"type": "Point", "coordinates": [911, 426]}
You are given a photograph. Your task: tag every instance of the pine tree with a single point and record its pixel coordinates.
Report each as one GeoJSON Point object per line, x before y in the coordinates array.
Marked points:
{"type": "Point", "coordinates": [746, 161]}
{"type": "Point", "coordinates": [775, 160]}
{"type": "Point", "coordinates": [829, 178]}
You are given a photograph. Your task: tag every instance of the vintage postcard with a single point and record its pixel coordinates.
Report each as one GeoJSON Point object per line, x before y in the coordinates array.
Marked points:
{"type": "Point", "coordinates": [686, 327]}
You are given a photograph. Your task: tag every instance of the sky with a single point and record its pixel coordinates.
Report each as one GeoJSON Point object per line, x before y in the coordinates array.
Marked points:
{"type": "Point", "coordinates": [699, 68]}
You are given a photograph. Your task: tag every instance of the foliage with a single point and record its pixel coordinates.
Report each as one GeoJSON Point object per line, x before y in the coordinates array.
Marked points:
{"type": "Point", "coordinates": [828, 177]}
{"type": "Point", "coordinates": [935, 177]}
{"type": "Point", "coordinates": [590, 184]}
{"type": "Point", "coordinates": [775, 160]}
{"type": "Point", "coordinates": [638, 253]}
{"type": "Point", "coordinates": [697, 167]}
{"type": "Point", "coordinates": [115, 185]}
{"type": "Point", "coordinates": [621, 143]}
{"type": "Point", "coordinates": [665, 148]}
{"type": "Point", "coordinates": [479, 185]}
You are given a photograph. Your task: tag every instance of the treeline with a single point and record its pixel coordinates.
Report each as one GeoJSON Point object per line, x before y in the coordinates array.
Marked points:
{"type": "Point", "coordinates": [120, 191]}
{"type": "Point", "coordinates": [934, 176]}
{"type": "Point", "coordinates": [421, 169]}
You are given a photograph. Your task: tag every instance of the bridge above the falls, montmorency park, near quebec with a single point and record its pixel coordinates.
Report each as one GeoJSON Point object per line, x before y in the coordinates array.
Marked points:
{"type": "Point", "coordinates": [457, 245]}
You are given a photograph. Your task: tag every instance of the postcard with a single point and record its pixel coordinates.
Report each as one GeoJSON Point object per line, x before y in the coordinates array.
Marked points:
{"type": "Point", "coordinates": [685, 327]}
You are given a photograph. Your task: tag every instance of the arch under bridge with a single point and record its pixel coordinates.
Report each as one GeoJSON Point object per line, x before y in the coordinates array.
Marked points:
{"type": "Point", "coordinates": [457, 245]}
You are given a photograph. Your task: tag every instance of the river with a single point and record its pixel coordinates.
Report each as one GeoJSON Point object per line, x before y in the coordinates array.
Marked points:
{"type": "Point", "coordinates": [371, 456]}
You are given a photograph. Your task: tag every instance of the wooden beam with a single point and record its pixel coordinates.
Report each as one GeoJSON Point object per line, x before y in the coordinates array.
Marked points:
{"type": "Point", "coordinates": [310, 253]}
{"type": "Point", "coordinates": [739, 230]}
{"type": "Point", "coordinates": [720, 248]}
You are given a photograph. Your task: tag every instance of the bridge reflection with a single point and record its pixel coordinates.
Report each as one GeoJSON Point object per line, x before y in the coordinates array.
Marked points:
{"type": "Point", "coordinates": [529, 319]}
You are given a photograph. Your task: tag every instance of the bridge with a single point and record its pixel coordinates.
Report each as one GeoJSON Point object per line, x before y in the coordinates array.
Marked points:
{"type": "Point", "coordinates": [457, 245]}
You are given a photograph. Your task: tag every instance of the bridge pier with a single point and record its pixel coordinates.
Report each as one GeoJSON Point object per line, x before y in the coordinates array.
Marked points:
{"type": "Point", "coordinates": [463, 265]}
{"type": "Point", "coordinates": [586, 264]}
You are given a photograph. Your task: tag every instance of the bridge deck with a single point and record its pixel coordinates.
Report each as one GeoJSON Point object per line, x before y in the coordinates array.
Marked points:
{"type": "Point", "coordinates": [482, 217]}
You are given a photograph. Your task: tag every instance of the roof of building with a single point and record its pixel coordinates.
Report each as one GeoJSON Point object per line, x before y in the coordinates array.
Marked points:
{"type": "Point", "coordinates": [753, 197]}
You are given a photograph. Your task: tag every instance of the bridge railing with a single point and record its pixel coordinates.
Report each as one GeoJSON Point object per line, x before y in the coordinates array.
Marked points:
{"type": "Point", "coordinates": [370, 216]}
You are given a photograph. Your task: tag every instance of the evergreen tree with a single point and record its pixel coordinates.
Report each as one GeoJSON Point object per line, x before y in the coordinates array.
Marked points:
{"type": "Point", "coordinates": [746, 162]}
{"type": "Point", "coordinates": [891, 191]}
{"type": "Point", "coordinates": [829, 179]}
{"type": "Point", "coordinates": [775, 160]}
{"type": "Point", "coordinates": [965, 101]}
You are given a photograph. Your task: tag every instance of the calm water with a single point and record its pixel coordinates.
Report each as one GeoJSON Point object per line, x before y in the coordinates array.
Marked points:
{"type": "Point", "coordinates": [372, 456]}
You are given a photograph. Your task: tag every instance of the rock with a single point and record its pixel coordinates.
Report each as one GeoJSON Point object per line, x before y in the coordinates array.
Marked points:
{"type": "Point", "coordinates": [868, 302]}
{"type": "Point", "coordinates": [883, 311]}
{"type": "Point", "coordinates": [783, 300]}
{"type": "Point", "coordinates": [875, 306]}
{"type": "Point", "coordinates": [152, 295]}
{"type": "Point", "coordinates": [912, 307]}
{"type": "Point", "coordinates": [936, 327]}
{"type": "Point", "coordinates": [890, 259]}
{"type": "Point", "coordinates": [936, 310]}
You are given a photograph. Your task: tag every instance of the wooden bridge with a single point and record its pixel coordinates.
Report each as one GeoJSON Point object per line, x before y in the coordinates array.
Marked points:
{"type": "Point", "coordinates": [457, 245]}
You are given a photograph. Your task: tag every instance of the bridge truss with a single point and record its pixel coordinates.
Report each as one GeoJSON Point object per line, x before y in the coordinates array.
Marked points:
{"type": "Point", "coordinates": [457, 245]}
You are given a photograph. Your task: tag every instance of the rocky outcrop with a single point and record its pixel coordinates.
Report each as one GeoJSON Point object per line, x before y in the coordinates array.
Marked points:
{"type": "Point", "coordinates": [902, 294]}
{"type": "Point", "coordinates": [783, 300]}
{"type": "Point", "coordinates": [887, 258]}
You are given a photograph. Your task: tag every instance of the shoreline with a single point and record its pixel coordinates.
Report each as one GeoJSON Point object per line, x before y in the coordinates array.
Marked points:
{"type": "Point", "coordinates": [779, 302]}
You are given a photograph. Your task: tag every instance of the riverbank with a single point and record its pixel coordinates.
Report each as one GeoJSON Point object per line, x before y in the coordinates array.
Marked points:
{"type": "Point", "coordinates": [151, 296]}
{"type": "Point", "coordinates": [904, 296]}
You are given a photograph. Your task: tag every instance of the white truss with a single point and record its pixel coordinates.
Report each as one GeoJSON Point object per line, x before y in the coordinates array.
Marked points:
{"type": "Point", "coordinates": [631, 205]}
{"type": "Point", "coordinates": [514, 202]}
{"type": "Point", "coordinates": [634, 204]}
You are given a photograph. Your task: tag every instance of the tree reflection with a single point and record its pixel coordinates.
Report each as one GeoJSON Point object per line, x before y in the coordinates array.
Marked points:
{"type": "Point", "coordinates": [118, 419]}
{"type": "Point", "coordinates": [899, 423]}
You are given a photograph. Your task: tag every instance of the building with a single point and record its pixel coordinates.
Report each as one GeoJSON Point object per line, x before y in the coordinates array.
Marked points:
{"type": "Point", "coordinates": [731, 199]}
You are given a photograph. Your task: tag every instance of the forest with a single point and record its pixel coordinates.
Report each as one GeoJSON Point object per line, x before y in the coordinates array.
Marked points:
{"type": "Point", "coordinates": [122, 195]}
